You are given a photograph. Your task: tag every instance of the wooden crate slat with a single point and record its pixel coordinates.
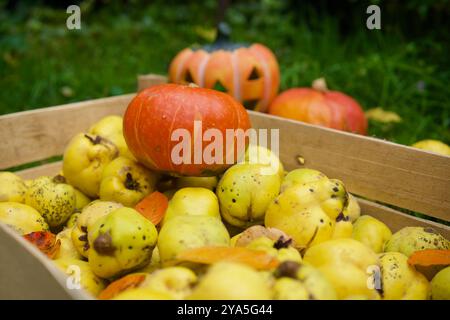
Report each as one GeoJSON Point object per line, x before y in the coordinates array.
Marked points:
{"type": "Point", "coordinates": [49, 169]}
{"type": "Point", "coordinates": [42, 133]}
{"type": "Point", "coordinates": [396, 220]}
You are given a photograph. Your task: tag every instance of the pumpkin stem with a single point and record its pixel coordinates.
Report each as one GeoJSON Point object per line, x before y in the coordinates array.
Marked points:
{"type": "Point", "coordinates": [320, 85]}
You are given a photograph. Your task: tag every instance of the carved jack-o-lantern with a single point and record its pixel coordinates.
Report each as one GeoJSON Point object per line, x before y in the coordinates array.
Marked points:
{"type": "Point", "coordinates": [249, 73]}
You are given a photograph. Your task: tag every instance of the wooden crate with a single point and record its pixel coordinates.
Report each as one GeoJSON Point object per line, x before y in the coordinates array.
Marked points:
{"type": "Point", "coordinates": [384, 172]}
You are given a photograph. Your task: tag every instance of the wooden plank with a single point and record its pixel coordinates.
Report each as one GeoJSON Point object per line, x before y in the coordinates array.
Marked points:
{"type": "Point", "coordinates": [396, 220]}
{"type": "Point", "coordinates": [387, 172]}
{"type": "Point", "coordinates": [25, 273]}
{"type": "Point", "coordinates": [49, 169]}
{"type": "Point", "coordinates": [40, 134]}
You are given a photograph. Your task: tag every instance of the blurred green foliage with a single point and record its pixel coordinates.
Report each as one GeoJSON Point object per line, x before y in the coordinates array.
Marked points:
{"type": "Point", "coordinates": [403, 67]}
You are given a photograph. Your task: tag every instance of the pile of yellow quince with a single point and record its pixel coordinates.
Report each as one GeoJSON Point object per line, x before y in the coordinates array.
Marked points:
{"type": "Point", "coordinates": [255, 232]}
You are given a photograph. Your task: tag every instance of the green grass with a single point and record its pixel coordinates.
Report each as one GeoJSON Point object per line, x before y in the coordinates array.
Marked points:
{"type": "Point", "coordinates": [39, 57]}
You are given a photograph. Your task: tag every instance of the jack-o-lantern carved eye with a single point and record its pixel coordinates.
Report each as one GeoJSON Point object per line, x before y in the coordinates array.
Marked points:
{"type": "Point", "coordinates": [219, 86]}
{"type": "Point", "coordinates": [188, 77]}
{"type": "Point", "coordinates": [250, 104]}
{"type": "Point", "coordinates": [254, 74]}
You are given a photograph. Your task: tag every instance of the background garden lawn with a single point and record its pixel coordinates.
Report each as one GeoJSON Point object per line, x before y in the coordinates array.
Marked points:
{"type": "Point", "coordinates": [402, 68]}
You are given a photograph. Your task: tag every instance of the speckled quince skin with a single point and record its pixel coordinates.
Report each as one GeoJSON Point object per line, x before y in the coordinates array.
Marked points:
{"type": "Point", "coordinates": [120, 242]}
{"type": "Point", "coordinates": [257, 154]}
{"type": "Point", "coordinates": [53, 198]}
{"type": "Point", "coordinates": [301, 176]}
{"type": "Point", "coordinates": [245, 192]}
{"type": "Point", "coordinates": [86, 219]}
{"type": "Point", "coordinates": [399, 280]}
{"type": "Point", "coordinates": [22, 218]}
{"type": "Point", "coordinates": [411, 239]}
{"type": "Point", "coordinates": [311, 213]}
{"type": "Point", "coordinates": [12, 188]}
{"type": "Point", "coordinates": [126, 181]}
{"type": "Point", "coordinates": [345, 263]}
{"type": "Point", "coordinates": [67, 248]}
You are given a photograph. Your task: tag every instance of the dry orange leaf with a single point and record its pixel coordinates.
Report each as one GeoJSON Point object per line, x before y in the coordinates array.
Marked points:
{"type": "Point", "coordinates": [430, 257]}
{"type": "Point", "coordinates": [45, 241]}
{"type": "Point", "coordinates": [153, 207]}
{"type": "Point", "coordinates": [208, 255]}
{"type": "Point", "coordinates": [127, 282]}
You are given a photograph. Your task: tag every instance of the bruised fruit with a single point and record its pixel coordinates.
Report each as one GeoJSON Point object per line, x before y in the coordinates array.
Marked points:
{"type": "Point", "coordinates": [126, 181]}
{"type": "Point", "coordinates": [120, 242]}
{"type": "Point", "coordinates": [301, 282]}
{"type": "Point", "coordinates": [111, 128]}
{"type": "Point", "coordinates": [345, 263]}
{"type": "Point", "coordinates": [186, 232]}
{"type": "Point", "coordinates": [310, 212]}
{"type": "Point", "coordinates": [372, 232]}
{"type": "Point", "coordinates": [440, 285]}
{"type": "Point", "coordinates": [301, 176]}
{"type": "Point", "coordinates": [22, 218]}
{"type": "Point", "coordinates": [411, 239]}
{"type": "Point", "coordinates": [90, 214]}
{"type": "Point", "coordinates": [197, 182]}
{"type": "Point", "coordinates": [175, 281]}
{"type": "Point", "coordinates": [245, 191]}
{"type": "Point", "coordinates": [67, 248]}
{"type": "Point", "coordinates": [231, 281]}
{"type": "Point", "coordinates": [84, 159]}
{"type": "Point", "coordinates": [53, 198]}
{"type": "Point", "coordinates": [12, 188]}
{"type": "Point", "coordinates": [81, 275]}
{"type": "Point", "coordinates": [280, 249]}
{"type": "Point", "coordinates": [399, 280]}
{"type": "Point", "coordinates": [193, 201]}
{"type": "Point", "coordinates": [353, 210]}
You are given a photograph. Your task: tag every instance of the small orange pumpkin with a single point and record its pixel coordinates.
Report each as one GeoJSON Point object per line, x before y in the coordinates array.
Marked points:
{"type": "Point", "coordinates": [156, 112]}
{"type": "Point", "coordinates": [320, 106]}
{"type": "Point", "coordinates": [249, 73]}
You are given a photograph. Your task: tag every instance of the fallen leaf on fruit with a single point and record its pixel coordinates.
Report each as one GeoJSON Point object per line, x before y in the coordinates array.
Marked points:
{"type": "Point", "coordinates": [208, 255]}
{"type": "Point", "coordinates": [45, 241]}
{"type": "Point", "coordinates": [430, 257]}
{"type": "Point", "coordinates": [153, 207]}
{"type": "Point", "coordinates": [381, 115]}
{"type": "Point", "coordinates": [127, 282]}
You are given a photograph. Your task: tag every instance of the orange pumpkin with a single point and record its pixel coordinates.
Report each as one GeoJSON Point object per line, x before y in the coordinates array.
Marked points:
{"type": "Point", "coordinates": [157, 112]}
{"type": "Point", "coordinates": [322, 107]}
{"type": "Point", "coordinates": [250, 74]}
